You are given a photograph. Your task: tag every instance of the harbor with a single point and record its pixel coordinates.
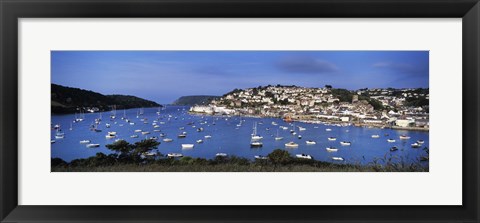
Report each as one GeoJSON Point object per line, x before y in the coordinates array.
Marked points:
{"type": "Point", "coordinates": [182, 134]}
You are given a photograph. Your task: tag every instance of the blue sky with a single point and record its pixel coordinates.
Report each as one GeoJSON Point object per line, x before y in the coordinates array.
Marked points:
{"type": "Point", "coordinates": [163, 76]}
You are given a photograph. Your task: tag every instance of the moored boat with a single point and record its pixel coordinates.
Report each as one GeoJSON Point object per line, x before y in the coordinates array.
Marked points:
{"type": "Point", "coordinates": [345, 143]}
{"type": "Point", "coordinates": [311, 142]}
{"type": "Point", "coordinates": [331, 149]}
{"type": "Point", "coordinates": [303, 156]}
{"type": "Point", "coordinates": [393, 149]}
{"type": "Point", "coordinates": [332, 138]}
{"type": "Point", "coordinates": [260, 157]}
{"type": "Point", "coordinates": [173, 155]}
{"type": "Point", "coordinates": [187, 146]}
{"type": "Point", "coordinates": [256, 144]}
{"type": "Point", "coordinates": [404, 137]}
{"type": "Point", "coordinates": [415, 145]}
{"type": "Point", "coordinates": [92, 145]}
{"type": "Point", "coordinates": [375, 136]}
{"type": "Point", "coordinates": [221, 155]}
{"type": "Point", "coordinates": [390, 140]}
{"type": "Point", "coordinates": [291, 145]}
{"type": "Point", "coordinates": [84, 141]}
{"type": "Point", "coordinates": [338, 158]}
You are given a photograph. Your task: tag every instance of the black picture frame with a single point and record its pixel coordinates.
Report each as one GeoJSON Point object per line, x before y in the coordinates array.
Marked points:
{"type": "Point", "coordinates": [11, 11]}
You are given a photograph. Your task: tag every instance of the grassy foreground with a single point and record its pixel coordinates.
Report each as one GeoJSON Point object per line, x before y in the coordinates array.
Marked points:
{"type": "Point", "coordinates": [230, 168]}
{"type": "Point", "coordinates": [234, 164]}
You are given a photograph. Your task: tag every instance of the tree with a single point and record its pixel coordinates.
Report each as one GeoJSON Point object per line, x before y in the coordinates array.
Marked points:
{"type": "Point", "coordinates": [279, 156]}
{"type": "Point", "coordinates": [328, 86]}
{"type": "Point", "coordinates": [132, 152]}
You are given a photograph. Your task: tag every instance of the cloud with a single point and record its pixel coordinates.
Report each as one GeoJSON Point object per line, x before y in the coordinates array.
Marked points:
{"type": "Point", "coordinates": [401, 67]}
{"type": "Point", "coordinates": [306, 64]}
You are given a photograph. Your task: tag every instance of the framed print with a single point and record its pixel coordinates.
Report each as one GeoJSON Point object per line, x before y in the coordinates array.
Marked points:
{"type": "Point", "coordinates": [239, 111]}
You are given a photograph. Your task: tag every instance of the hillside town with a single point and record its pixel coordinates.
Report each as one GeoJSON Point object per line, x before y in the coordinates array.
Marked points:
{"type": "Point", "coordinates": [382, 107]}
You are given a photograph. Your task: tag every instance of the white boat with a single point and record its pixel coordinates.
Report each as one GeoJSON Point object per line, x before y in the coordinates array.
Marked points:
{"type": "Point", "coordinates": [415, 145]}
{"type": "Point", "coordinates": [404, 137]}
{"type": "Point", "coordinates": [174, 155]}
{"type": "Point", "coordinates": [303, 156]}
{"type": "Point", "coordinates": [84, 141]}
{"type": "Point", "coordinates": [331, 149]}
{"type": "Point", "coordinates": [52, 141]}
{"type": "Point", "coordinates": [221, 154]}
{"type": "Point", "coordinates": [255, 137]}
{"type": "Point", "coordinates": [112, 133]}
{"type": "Point", "coordinates": [338, 158]}
{"type": "Point", "coordinates": [107, 125]}
{"type": "Point", "coordinates": [59, 136]}
{"type": "Point", "coordinates": [311, 142]}
{"type": "Point", "coordinates": [256, 144]}
{"type": "Point", "coordinates": [134, 136]}
{"type": "Point", "coordinates": [328, 130]}
{"type": "Point", "coordinates": [274, 123]}
{"type": "Point", "coordinates": [291, 145]}
{"type": "Point", "coordinates": [156, 130]}
{"type": "Point", "coordinates": [420, 141]}
{"type": "Point", "coordinates": [391, 140]}
{"type": "Point", "coordinates": [156, 126]}
{"type": "Point", "coordinates": [110, 136]}
{"type": "Point", "coordinates": [182, 135]}
{"type": "Point", "coordinates": [332, 138]}
{"type": "Point", "coordinates": [145, 133]}
{"type": "Point", "coordinates": [118, 140]}
{"type": "Point", "coordinates": [284, 127]}
{"type": "Point", "coordinates": [92, 145]}
{"type": "Point", "coordinates": [208, 136]}
{"type": "Point", "coordinates": [187, 146]}
{"type": "Point", "coordinates": [375, 136]}
{"type": "Point", "coordinates": [199, 141]}
{"type": "Point", "coordinates": [301, 128]}
{"type": "Point", "coordinates": [149, 154]}
{"type": "Point", "coordinates": [278, 137]}
{"type": "Point", "coordinates": [345, 143]}
{"type": "Point", "coordinates": [168, 140]}
{"type": "Point", "coordinates": [260, 157]}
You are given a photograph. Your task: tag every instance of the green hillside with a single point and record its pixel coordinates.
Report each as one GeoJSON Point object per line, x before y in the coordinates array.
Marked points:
{"type": "Point", "coordinates": [69, 100]}
{"type": "Point", "coordinates": [195, 100]}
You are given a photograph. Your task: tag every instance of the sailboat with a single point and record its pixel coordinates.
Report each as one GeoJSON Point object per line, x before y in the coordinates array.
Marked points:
{"type": "Point", "coordinates": [158, 111]}
{"type": "Point", "coordinates": [71, 126]}
{"type": "Point", "coordinates": [114, 112]}
{"type": "Point", "coordinates": [256, 137]}
{"type": "Point", "coordinates": [124, 115]}
{"type": "Point", "coordinates": [278, 137]}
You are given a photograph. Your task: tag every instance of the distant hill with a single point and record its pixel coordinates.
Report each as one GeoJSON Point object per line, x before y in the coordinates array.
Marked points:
{"type": "Point", "coordinates": [69, 100]}
{"type": "Point", "coordinates": [195, 100]}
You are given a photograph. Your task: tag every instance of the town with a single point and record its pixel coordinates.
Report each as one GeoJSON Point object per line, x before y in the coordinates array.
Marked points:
{"type": "Point", "coordinates": [406, 109]}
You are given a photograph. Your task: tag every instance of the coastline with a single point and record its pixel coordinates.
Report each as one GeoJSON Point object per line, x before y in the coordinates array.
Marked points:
{"type": "Point", "coordinates": [329, 122]}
